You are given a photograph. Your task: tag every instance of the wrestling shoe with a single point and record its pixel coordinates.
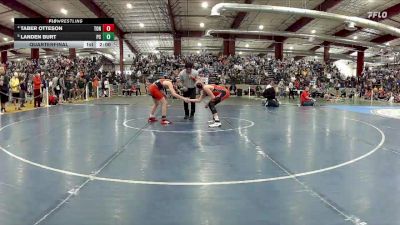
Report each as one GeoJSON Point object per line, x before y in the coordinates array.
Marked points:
{"type": "Point", "coordinates": [215, 124]}
{"type": "Point", "coordinates": [165, 122]}
{"type": "Point", "coordinates": [152, 120]}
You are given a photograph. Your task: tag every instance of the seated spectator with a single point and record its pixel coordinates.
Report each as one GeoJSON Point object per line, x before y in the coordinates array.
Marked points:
{"type": "Point", "coordinates": [270, 95]}
{"type": "Point", "coordinates": [343, 93]}
{"type": "Point", "coordinates": [52, 98]}
{"type": "Point", "coordinates": [351, 95]}
{"type": "Point", "coordinates": [381, 94]}
{"type": "Point", "coordinates": [127, 90]}
{"type": "Point", "coordinates": [305, 99]}
{"type": "Point", "coordinates": [368, 94]}
{"type": "Point", "coordinates": [135, 89]}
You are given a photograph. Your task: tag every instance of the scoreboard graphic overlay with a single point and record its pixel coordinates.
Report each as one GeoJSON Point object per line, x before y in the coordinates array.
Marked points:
{"type": "Point", "coordinates": [64, 33]}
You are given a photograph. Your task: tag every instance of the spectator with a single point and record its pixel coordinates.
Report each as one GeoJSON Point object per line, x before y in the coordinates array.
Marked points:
{"type": "Point", "coordinates": [270, 95]}
{"type": "Point", "coordinates": [61, 84]}
{"type": "Point", "coordinates": [96, 85]}
{"type": "Point", "coordinates": [3, 94]}
{"type": "Point", "coordinates": [52, 98]}
{"type": "Point", "coordinates": [106, 87]}
{"type": "Point", "coordinates": [15, 90]}
{"type": "Point", "coordinates": [305, 99]}
{"type": "Point", "coordinates": [37, 85]}
{"type": "Point", "coordinates": [56, 87]}
{"type": "Point", "coordinates": [81, 88]}
{"type": "Point", "coordinates": [23, 90]}
{"type": "Point", "coordinates": [291, 90]}
{"type": "Point", "coordinates": [89, 84]}
{"type": "Point", "coordinates": [138, 88]}
{"type": "Point", "coordinates": [69, 85]}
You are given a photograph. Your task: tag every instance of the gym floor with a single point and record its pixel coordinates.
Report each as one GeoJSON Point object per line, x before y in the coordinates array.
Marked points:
{"type": "Point", "coordinates": [102, 163]}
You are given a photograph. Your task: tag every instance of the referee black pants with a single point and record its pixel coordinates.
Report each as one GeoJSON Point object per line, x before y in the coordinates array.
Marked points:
{"type": "Point", "coordinates": [190, 93]}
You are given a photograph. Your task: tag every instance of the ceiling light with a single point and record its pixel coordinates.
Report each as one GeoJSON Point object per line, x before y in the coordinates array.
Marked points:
{"type": "Point", "coordinates": [201, 24]}
{"type": "Point", "coordinates": [45, 56]}
{"type": "Point", "coordinates": [198, 52]}
{"type": "Point", "coordinates": [64, 48]}
{"type": "Point", "coordinates": [204, 5]}
{"type": "Point", "coordinates": [129, 5]}
{"type": "Point", "coordinates": [291, 47]}
{"type": "Point", "coordinates": [240, 53]}
{"type": "Point", "coordinates": [77, 54]}
{"type": "Point", "coordinates": [18, 59]}
{"type": "Point", "coordinates": [141, 25]}
{"type": "Point", "coordinates": [64, 11]}
{"type": "Point", "coordinates": [199, 44]}
{"type": "Point", "coordinates": [247, 45]}
{"type": "Point", "coordinates": [5, 39]}
{"type": "Point", "coordinates": [355, 37]}
{"type": "Point", "coordinates": [12, 20]}
{"type": "Point", "coordinates": [313, 31]}
{"type": "Point", "coordinates": [261, 27]}
{"type": "Point", "coordinates": [123, 60]}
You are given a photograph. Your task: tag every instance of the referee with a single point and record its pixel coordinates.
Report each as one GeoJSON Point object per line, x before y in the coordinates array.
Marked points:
{"type": "Point", "coordinates": [188, 78]}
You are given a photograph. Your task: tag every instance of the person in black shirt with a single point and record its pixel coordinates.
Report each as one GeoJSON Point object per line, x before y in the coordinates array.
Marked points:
{"type": "Point", "coordinates": [3, 94]}
{"type": "Point", "coordinates": [270, 95]}
{"type": "Point", "coordinates": [68, 89]}
{"type": "Point", "coordinates": [23, 90]}
{"type": "Point", "coordinates": [81, 88]}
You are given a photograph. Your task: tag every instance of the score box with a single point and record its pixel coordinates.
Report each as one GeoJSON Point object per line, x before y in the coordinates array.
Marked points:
{"type": "Point", "coordinates": [108, 36]}
{"type": "Point", "coordinates": [108, 28]}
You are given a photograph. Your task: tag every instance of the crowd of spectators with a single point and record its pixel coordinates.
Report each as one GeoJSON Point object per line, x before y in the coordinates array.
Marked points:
{"type": "Point", "coordinates": [81, 77]}
{"type": "Point", "coordinates": [324, 80]}
{"type": "Point", "coordinates": [27, 80]}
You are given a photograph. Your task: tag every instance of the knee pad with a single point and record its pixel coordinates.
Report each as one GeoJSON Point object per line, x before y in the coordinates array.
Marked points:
{"type": "Point", "coordinates": [211, 105]}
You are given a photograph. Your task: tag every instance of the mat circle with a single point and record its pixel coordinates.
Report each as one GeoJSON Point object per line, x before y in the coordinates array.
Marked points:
{"type": "Point", "coordinates": [176, 183]}
{"type": "Point", "coordinates": [208, 130]}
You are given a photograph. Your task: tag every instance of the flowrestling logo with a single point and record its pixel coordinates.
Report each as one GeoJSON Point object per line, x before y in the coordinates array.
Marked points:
{"type": "Point", "coordinates": [379, 15]}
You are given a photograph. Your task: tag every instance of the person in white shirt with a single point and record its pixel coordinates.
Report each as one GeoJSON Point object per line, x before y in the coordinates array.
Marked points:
{"type": "Point", "coordinates": [106, 87]}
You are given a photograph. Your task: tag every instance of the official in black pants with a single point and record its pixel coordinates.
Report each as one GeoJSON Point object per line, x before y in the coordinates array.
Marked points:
{"type": "Point", "coordinates": [188, 78]}
{"type": "Point", "coordinates": [190, 93]}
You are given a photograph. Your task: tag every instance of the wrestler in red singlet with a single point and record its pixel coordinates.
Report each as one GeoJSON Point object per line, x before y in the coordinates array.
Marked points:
{"type": "Point", "coordinates": [217, 94]}
{"type": "Point", "coordinates": [157, 91]}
